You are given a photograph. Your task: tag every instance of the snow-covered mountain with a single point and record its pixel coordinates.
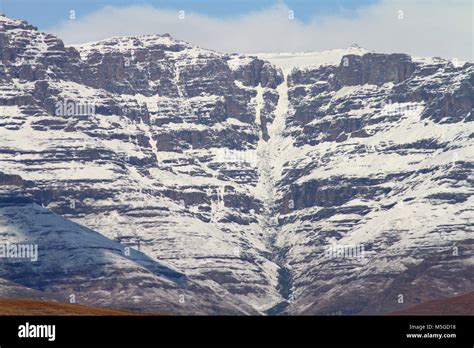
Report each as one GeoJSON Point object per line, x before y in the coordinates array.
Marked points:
{"type": "Point", "coordinates": [241, 174]}
{"type": "Point", "coordinates": [78, 265]}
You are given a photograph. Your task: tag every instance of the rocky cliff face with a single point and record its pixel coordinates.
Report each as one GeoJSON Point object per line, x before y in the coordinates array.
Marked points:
{"type": "Point", "coordinates": [241, 173]}
{"type": "Point", "coordinates": [375, 203]}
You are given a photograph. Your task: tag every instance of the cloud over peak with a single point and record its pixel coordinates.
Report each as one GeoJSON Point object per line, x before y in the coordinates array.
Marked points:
{"type": "Point", "coordinates": [422, 28]}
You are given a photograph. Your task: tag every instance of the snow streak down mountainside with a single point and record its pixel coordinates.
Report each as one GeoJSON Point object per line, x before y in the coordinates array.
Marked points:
{"type": "Point", "coordinates": [238, 173]}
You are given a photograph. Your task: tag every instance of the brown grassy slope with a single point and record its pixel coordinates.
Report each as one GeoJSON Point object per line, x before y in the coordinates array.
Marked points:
{"type": "Point", "coordinates": [33, 307]}
{"type": "Point", "coordinates": [459, 305]}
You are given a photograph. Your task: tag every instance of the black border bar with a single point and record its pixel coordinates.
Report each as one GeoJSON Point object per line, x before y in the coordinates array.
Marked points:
{"type": "Point", "coordinates": [135, 331]}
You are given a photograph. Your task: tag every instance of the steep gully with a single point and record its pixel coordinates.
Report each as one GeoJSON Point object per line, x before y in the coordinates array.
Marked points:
{"type": "Point", "coordinates": [269, 162]}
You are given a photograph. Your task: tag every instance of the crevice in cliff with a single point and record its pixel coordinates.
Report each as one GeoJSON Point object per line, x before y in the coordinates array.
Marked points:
{"type": "Point", "coordinates": [270, 164]}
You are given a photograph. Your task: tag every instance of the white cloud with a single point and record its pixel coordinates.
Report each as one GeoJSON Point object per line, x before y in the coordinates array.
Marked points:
{"type": "Point", "coordinates": [428, 28]}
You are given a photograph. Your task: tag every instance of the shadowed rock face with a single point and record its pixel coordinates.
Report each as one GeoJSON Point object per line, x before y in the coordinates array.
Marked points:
{"type": "Point", "coordinates": [259, 72]}
{"type": "Point", "coordinates": [183, 159]}
{"type": "Point", "coordinates": [374, 69]}
{"type": "Point", "coordinates": [10, 180]}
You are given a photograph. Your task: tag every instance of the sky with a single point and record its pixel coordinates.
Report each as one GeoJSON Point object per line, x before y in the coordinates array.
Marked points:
{"type": "Point", "coordinates": [46, 13]}
{"type": "Point", "coordinates": [441, 28]}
